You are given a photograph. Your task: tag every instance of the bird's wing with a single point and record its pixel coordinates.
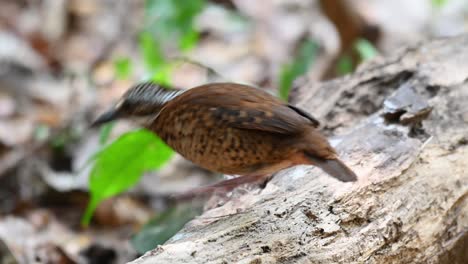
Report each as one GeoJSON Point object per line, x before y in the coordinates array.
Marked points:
{"type": "Point", "coordinates": [280, 119]}
{"type": "Point", "coordinates": [249, 108]}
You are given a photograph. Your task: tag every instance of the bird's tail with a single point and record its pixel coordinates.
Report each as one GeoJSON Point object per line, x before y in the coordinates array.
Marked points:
{"type": "Point", "coordinates": [335, 168]}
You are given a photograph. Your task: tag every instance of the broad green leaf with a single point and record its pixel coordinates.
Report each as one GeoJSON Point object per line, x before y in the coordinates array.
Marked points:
{"type": "Point", "coordinates": [122, 68]}
{"type": "Point", "coordinates": [365, 49]}
{"type": "Point", "coordinates": [120, 165]}
{"type": "Point", "coordinates": [301, 63]}
{"type": "Point", "coordinates": [164, 226]}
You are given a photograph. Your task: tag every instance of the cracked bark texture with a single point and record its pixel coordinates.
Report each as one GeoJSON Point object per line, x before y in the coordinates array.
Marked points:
{"type": "Point", "coordinates": [401, 123]}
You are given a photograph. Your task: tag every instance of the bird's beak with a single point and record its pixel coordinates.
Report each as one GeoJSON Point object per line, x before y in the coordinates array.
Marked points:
{"type": "Point", "coordinates": [105, 117]}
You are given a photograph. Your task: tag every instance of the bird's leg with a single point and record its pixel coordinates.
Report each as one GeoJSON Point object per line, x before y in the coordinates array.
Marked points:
{"type": "Point", "coordinates": [222, 186]}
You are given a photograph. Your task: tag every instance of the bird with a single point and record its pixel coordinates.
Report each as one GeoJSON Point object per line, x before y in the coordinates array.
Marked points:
{"type": "Point", "coordinates": [230, 128]}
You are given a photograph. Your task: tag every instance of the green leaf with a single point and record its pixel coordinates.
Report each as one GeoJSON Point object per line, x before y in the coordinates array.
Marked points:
{"type": "Point", "coordinates": [345, 65]}
{"type": "Point", "coordinates": [122, 68]}
{"type": "Point", "coordinates": [439, 3]}
{"type": "Point", "coordinates": [151, 51]}
{"type": "Point", "coordinates": [120, 165]}
{"type": "Point", "coordinates": [301, 63]}
{"type": "Point", "coordinates": [172, 21]}
{"type": "Point", "coordinates": [105, 131]}
{"type": "Point", "coordinates": [163, 74]}
{"type": "Point", "coordinates": [365, 49]}
{"type": "Point", "coordinates": [59, 140]}
{"type": "Point", "coordinates": [167, 22]}
{"type": "Point", "coordinates": [189, 40]}
{"type": "Point", "coordinates": [164, 226]}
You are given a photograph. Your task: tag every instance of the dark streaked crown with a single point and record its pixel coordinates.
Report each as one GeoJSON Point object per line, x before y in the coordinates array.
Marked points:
{"type": "Point", "coordinates": [149, 92]}
{"type": "Point", "coordinates": [145, 99]}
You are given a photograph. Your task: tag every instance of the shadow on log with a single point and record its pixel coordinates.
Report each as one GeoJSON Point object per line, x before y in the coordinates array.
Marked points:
{"type": "Point", "coordinates": [402, 125]}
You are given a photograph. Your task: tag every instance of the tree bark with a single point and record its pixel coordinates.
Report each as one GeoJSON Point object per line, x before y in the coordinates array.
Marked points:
{"type": "Point", "coordinates": [402, 125]}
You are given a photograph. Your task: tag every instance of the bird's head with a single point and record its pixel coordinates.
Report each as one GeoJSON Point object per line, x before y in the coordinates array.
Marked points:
{"type": "Point", "coordinates": [142, 101]}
